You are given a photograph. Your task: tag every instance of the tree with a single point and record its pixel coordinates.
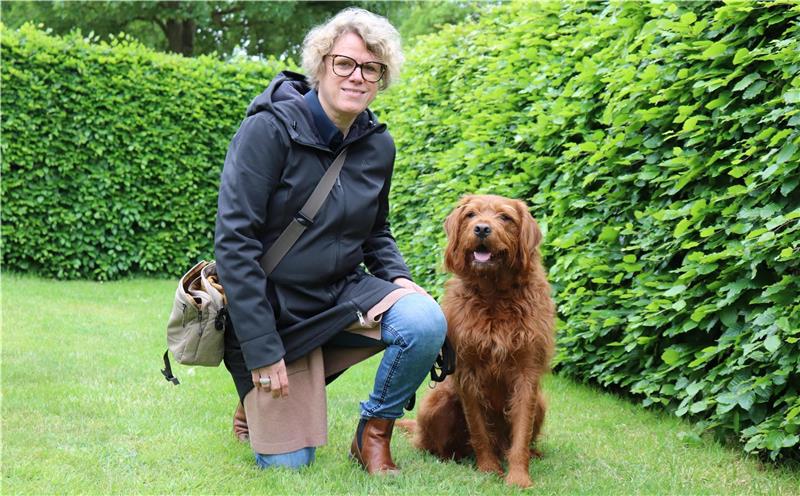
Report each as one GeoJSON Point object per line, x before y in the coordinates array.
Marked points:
{"type": "Point", "coordinates": [179, 26]}
{"type": "Point", "coordinates": [193, 28]}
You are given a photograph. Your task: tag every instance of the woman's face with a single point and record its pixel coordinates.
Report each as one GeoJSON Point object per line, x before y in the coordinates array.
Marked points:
{"type": "Point", "coordinates": [343, 98]}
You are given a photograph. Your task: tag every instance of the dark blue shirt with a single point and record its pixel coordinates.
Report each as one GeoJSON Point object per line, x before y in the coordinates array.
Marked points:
{"type": "Point", "coordinates": [327, 130]}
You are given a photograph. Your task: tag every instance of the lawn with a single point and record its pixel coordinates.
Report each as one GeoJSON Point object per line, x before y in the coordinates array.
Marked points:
{"type": "Point", "coordinates": [86, 410]}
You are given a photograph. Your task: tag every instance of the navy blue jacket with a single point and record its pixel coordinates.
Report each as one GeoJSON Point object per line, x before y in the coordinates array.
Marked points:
{"type": "Point", "coordinates": [274, 161]}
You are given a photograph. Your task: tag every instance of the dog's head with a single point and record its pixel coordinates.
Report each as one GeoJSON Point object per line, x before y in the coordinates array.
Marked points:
{"type": "Point", "coordinates": [487, 233]}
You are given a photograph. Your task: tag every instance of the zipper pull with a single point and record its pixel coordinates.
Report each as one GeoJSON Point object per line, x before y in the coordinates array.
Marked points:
{"type": "Point", "coordinates": [338, 181]}
{"type": "Point", "coordinates": [361, 318]}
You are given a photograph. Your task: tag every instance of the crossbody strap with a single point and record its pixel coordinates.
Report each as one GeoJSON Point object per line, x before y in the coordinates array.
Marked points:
{"type": "Point", "coordinates": [304, 218]}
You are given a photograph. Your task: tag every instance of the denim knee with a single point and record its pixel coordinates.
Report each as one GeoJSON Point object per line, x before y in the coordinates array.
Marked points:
{"type": "Point", "coordinates": [424, 324]}
{"type": "Point", "coordinates": [293, 459]}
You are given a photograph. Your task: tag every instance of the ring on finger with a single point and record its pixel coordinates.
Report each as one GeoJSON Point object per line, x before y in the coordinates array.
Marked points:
{"type": "Point", "coordinates": [265, 382]}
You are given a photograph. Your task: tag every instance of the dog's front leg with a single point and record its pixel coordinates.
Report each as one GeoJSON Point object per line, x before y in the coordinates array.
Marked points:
{"type": "Point", "coordinates": [521, 419]}
{"type": "Point", "coordinates": [479, 436]}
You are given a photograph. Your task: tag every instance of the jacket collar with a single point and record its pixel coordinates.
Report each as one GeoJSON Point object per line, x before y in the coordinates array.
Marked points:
{"type": "Point", "coordinates": [327, 130]}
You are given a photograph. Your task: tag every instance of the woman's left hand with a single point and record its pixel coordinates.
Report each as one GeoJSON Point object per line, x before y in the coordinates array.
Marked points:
{"type": "Point", "coordinates": [408, 284]}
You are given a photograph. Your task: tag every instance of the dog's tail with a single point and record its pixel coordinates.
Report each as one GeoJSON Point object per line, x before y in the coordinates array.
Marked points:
{"type": "Point", "coordinates": [407, 425]}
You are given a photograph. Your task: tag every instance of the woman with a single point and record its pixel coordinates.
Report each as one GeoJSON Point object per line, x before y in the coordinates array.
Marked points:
{"type": "Point", "coordinates": [288, 327]}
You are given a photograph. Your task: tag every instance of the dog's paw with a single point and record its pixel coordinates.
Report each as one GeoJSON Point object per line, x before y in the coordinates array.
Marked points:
{"type": "Point", "coordinates": [535, 453]}
{"type": "Point", "coordinates": [408, 426]}
{"type": "Point", "coordinates": [491, 466]}
{"type": "Point", "coordinates": [520, 479]}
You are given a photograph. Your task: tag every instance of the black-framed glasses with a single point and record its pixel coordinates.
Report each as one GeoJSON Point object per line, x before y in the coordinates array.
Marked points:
{"type": "Point", "coordinates": [343, 66]}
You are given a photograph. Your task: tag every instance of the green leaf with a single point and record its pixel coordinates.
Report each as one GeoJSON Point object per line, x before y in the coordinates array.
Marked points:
{"type": "Point", "coordinates": [737, 190]}
{"type": "Point", "coordinates": [708, 231]}
{"type": "Point", "coordinates": [792, 96]}
{"type": "Point", "coordinates": [608, 234]}
{"type": "Point", "coordinates": [772, 343]}
{"type": "Point", "coordinates": [693, 388]}
{"type": "Point", "coordinates": [740, 55]}
{"type": "Point", "coordinates": [681, 228]}
{"type": "Point", "coordinates": [738, 171]}
{"type": "Point", "coordinates": [698, 406]}
{"type": "Point", "coordinates": [688, 18]}
{"type": "Point", "coordinates": [675, 290]}
{"type": "Point", "coordinates": [698, 314]}
{"type": "Point", "coordinates": [671, 356]}
{"type": "Point", "coordinates": [728, 316]}
{"type": "Point", "coordinates": [715, 50]}
{"type": "Point", "coordinates": [745, 400]}
{"type": "Point", "coordinates": [690, 123]}
{"type": "Point", "coordinates": [753, 90]}
{"type": "Point", "coordinates": [786, 153]}
{"type": "Point", "coordinates": [746, 81]}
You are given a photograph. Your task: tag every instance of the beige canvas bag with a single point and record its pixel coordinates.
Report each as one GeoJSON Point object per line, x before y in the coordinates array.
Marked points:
{"type": "Point", "coordinates": [196, 326]}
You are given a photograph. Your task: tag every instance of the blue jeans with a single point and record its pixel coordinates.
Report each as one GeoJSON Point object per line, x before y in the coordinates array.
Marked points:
{"type": "Point", "coordinates": [292, 459]}
{"type": "Point", "coordinates": [413, 331]}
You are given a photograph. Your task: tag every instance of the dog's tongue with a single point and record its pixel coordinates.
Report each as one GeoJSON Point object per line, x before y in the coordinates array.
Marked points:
{"type": "Point", "coordinates": [482, 256]}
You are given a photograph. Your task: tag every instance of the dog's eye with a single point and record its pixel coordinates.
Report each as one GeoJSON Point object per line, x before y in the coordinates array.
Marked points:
{"type": "Point", "coordinates": [470, 215]}
{"type": "Point", "coordinates": [505, 217]}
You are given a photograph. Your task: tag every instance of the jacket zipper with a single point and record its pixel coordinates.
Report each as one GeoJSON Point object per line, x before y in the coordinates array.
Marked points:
{"type": "Point", "coordinates": [340, 189]}
{"type": "Point", "coordinates": [361, 319]}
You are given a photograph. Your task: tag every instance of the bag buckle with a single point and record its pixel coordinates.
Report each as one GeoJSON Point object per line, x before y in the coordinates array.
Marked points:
{"type": "Point", "coordinates": [303, 220]}
{"type": "Point", "coordinates": [221, 319]}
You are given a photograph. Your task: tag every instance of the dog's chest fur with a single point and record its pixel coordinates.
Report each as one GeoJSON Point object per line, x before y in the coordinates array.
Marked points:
{"type": "Point", "coordinates": [490, 332]}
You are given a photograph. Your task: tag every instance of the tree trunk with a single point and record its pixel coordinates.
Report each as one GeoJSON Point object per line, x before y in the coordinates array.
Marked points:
{"type": "Point", "coordinates": [180, 35]}
{"type": "Point", "coordinates": [189, 28]}
{"type": "Point", "coordinates": [179, 32]}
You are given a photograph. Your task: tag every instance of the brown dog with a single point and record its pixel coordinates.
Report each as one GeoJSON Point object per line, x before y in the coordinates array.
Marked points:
{"type": "Point", "coordinates": [501, 323]}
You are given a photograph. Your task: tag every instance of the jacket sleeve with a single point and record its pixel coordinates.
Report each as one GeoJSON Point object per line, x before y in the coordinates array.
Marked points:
{"type": "Point", "coordinates": [253, 167]}
{"type": "Point", "coordinates": [381, 255]}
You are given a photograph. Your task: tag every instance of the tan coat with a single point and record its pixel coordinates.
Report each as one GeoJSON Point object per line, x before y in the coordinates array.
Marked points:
{"type": "Point", "coordinates": [301, 420]}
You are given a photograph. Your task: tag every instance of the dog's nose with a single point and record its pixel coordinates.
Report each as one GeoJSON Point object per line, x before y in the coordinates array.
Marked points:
{"type": "Point", "coordinates": [482, 231]}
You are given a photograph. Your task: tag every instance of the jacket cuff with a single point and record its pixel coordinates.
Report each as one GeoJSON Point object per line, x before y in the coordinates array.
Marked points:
{"type": "Point", "coordinates": [262, 351]}
{"type": "Point", "coordinates": [391, 276]}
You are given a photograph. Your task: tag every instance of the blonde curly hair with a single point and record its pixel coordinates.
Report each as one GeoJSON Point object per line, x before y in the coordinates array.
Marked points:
{"type": "Point", "coordinates": [380, 37]}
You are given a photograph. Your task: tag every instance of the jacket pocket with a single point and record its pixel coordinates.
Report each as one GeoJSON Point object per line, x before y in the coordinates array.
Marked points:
{"type": "Point", "coordinates": [299, 365]}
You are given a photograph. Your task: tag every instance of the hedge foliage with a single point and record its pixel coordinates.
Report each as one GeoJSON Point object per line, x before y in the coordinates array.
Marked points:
{"type": "Point", "coordinates": [658, 146]}
{"type": "Point", "coordinates": [111, 153]}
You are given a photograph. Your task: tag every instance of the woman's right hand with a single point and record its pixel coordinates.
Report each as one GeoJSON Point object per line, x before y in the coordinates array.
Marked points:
{"type": "Point", "coordinates": [279, 381]}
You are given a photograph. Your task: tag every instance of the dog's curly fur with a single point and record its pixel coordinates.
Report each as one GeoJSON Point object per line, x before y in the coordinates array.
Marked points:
{"type": "Point", "coordinates": [501, 323]}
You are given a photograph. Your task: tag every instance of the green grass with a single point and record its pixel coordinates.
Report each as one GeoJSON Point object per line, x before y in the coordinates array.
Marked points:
{"type": "Point", "coordinates": [86, 410]}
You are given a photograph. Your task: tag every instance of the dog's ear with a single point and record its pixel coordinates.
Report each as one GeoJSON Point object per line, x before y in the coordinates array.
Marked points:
{"type": "Point", "coordinates": [453, 261]}
{"type": "Point", "coordinates": [530, 236]}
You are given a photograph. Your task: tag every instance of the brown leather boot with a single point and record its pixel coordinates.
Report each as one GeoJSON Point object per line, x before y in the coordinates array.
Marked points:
{"type": "Point", "coordinates": [371, 446]}
{"type": "Point", "coordinates": [240, 429]}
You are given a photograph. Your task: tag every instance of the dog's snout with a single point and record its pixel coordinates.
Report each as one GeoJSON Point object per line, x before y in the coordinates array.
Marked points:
{"type": "Point", "coordinates": [482, 231]}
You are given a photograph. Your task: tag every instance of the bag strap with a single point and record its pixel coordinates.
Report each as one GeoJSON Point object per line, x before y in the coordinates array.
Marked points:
{"type": "Point", "coordinates": [167, 370]}
{"type": "Point", "coordinates": [445, 363]}
{"type": "Point", "coordinates": [304, 218]}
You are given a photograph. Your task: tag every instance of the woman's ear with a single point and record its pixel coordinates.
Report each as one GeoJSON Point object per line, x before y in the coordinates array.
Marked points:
{"type": "Point", "coordinates": [530, 236]}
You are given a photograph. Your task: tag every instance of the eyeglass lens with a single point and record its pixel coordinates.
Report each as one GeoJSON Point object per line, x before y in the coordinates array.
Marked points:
{"type": "Point", "coordinates": [344, 66]}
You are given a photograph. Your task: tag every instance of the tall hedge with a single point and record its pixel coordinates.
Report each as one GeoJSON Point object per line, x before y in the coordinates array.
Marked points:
{"type": "Point", "coordinates": [657, 144]}
{"type": "Point", "coordinates": [111, 153]}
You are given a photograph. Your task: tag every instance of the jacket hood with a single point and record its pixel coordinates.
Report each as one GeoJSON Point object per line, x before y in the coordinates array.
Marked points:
{"type": "Point", "coordinates": [283, 98]}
